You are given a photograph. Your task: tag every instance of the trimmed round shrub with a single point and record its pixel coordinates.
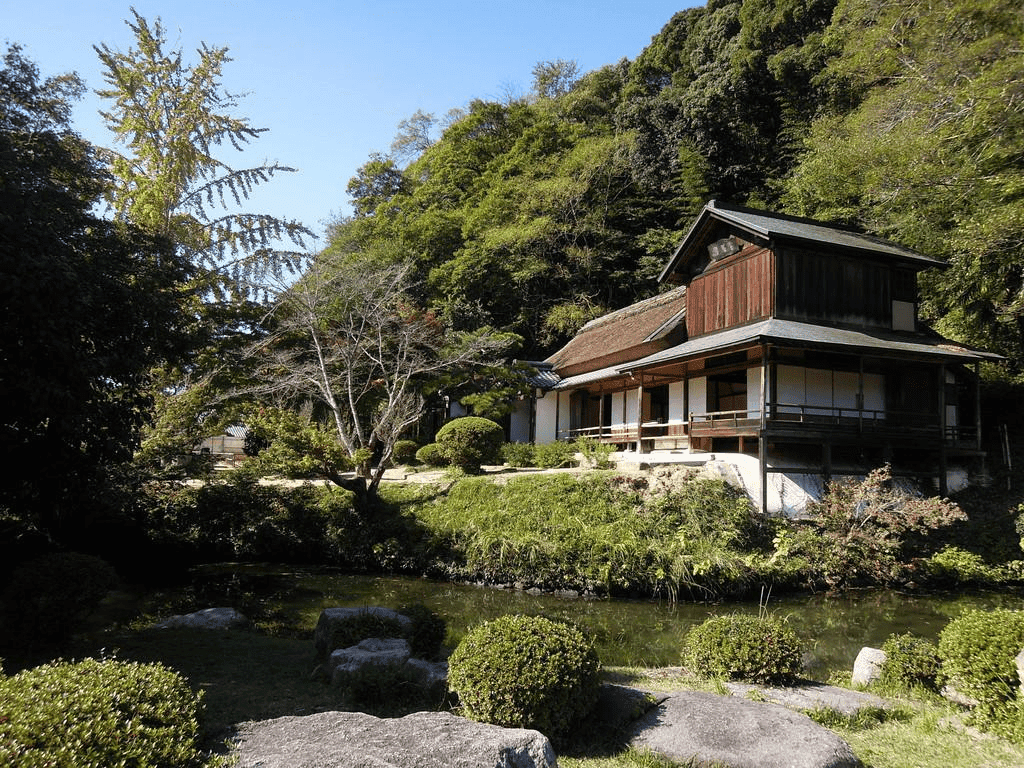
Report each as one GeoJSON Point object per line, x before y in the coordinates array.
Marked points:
{"type": "Point", "coordinates": [470, 442]}
{"type": "Point", "coordinates": [430, 454]}
{"type": "Point", "coordinates": [761, 649]}
{"type": "Point", "coordinates": [978, 651]}
{"type": "Point", "coordinates": [910, 661]}
{"type": "Point", "coordinates": [525, 672]}
{"type": "Point", "coordinates": [404, 451]}
{"type": "Point", "coordinates": [49, 598]}
{"type": "Point", "coordinates": [93, 713]}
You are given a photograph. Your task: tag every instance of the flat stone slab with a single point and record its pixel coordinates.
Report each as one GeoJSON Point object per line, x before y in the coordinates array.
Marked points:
{"type": "Point", "coordinates": [812, 696]}
{"type": "Point", "coordinates": [419, 740]}
{"type": "Point", "coordinates": [208, 618]}
{"type": "Point", "coordinates": [738, 733]}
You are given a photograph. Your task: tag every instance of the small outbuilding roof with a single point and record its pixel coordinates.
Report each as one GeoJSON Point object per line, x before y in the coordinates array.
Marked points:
{"type": "Point", "coordinates": [611, 338]}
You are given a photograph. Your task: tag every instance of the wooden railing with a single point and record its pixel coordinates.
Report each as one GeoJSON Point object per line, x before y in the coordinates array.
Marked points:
{"type": "Point", "coordinates": [779, 416]}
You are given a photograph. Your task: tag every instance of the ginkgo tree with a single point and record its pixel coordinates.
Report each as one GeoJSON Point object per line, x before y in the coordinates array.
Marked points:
{"type": "Point", "coordinates": [174, 125]}
{"type": "Point", "coordinates": [175, 121]}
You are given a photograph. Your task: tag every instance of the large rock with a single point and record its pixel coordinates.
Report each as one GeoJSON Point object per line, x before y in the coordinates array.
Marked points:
{"type": "Point", "coordinates": [331, 618]}
{"type": "Point", "coordinates": [708, 728]}
{"type": "Point", "coordinates": [812, 696]}
{"type": "Point", "coordinates": [209, 618]}
{"type": "Point", "coordinates": [380, 651]}
{"type": "Point", "coordinates": [419, 740]}
{"type": "Point", "coordinates": [867, 667]}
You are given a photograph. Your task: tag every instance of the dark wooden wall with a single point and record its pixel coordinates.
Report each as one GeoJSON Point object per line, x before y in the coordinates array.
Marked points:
{"type": "Point", "coordinates": [735, 291]}
{"type": "Point", "coordinates": [839, 289]}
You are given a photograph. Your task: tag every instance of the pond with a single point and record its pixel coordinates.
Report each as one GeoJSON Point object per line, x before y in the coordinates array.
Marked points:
{"type": "Point", "coordinates": [626, 632]}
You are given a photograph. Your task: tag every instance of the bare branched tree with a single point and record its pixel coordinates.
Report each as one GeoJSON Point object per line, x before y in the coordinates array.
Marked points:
{"type": "Point", "coordinates": [349, 337]}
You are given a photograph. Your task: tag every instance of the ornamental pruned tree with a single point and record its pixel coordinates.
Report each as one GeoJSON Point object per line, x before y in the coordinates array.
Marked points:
{"type": "Point", "coordinates": [350, 339]}
{"type": "Point", "coordinates": [173, 120]}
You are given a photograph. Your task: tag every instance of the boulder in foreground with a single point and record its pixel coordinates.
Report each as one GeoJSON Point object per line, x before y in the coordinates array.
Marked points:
{"type": "Point", "coordinates": [724, 730]}
{"type": "Point", "coordinates": [419, 740]}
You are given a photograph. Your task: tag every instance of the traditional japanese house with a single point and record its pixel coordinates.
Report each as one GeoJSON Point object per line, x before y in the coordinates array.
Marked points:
{"type": "Point", "coordinates": [784, 338]}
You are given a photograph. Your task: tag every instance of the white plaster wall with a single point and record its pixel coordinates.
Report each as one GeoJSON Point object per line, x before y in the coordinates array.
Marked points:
{"type": "Point", "coordinates": [675, 402]}
{"type": "Point", "coordinates": [519, 423]}
{"type": "Point", "coordinates": [845, 386]}
{"type": "Point", "coordinates": [546, 427]}
{"type": "Point", "coordinates": [790, 381]}
{"type": "Point", "coordinates": [874, 392]}
{"type": "Point", "coordinates": [753, 392]}
{"type": "Point", "coordinates": [619, 408]}
{"type": "Point", "coordinates": [699, 395]}
{"type": "Point", "coordinates": [632, 412]}
{"type": "Point", "coordinates": [818, 391]}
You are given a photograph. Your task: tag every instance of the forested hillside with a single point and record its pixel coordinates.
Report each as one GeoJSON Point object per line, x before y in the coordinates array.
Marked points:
{"type": "Point", "coordinates": [537, 213]}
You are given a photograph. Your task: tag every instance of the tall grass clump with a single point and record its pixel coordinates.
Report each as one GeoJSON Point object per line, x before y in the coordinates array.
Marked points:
{"type": "Point", "coordinates": [599, 532]}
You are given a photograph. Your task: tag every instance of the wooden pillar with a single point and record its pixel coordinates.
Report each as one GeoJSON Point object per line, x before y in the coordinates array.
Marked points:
{"type": "Point", "coordinates": [764, 387]}
{"type": "Point", "coordinates": [943, 484]}
{"type": "Point", "coordinates": [762, 459]}
{"type": "Point", "coordinates": [640, 415]}
{"type": "Point", "coordinates": [826, 462]}
{"type": "Point", "coordinates": [600, 414]}
{"type": "Point", "coordinates": [686, 400]}
{"type": "Point", "coordinates": [977, 404]}
{"type": "Point", "coordinates": [558, 412]}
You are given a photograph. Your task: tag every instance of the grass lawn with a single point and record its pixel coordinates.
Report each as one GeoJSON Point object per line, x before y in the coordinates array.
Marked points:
{"type": "Point", "coordinates": [255, 676]}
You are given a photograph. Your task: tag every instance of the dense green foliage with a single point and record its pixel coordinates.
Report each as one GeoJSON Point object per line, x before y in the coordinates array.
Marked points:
{"type": "Point", "coordinates": [48, 599]}
{"type": "Point", "coordinates": [430, 454]}
{"type": "Point", "coordinates": [868, 532]}
{"type": "Point", "coordinates": [89, 306]}
{"type": "Point", "coordinates": [978, 651]}
{"type": "Point", "coordinates": [536, 214]}
{"type": "Point", "coordinates": [99, 713]}
{"type": "Point", "coordinates": [599, 532]}
{"type": "Point", "coordinates": [526, 672]}
{"type": "Point", "coordinates": [760, 649]}
{"type": "Point", "coordinates": [910, 661]}
{"type": "Point", "coordinates": [243, 520]}
{"type": "Point", "coordinates": [470, 442]}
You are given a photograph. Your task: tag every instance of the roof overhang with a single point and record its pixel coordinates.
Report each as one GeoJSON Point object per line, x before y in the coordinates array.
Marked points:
{"type": "Point", "coordinates": [791, 333]}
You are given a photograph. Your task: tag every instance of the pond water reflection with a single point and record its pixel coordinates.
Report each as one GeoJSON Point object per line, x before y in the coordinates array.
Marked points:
{"type": "Point", "coordinates": [626, 632]}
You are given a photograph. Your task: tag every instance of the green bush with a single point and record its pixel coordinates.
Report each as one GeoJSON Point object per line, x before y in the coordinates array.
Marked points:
{"type": "Point", "coordinates": [525, 672]}
{"type": "Point", "coordinates": [404, 451]}
{"type": "Point", "coordinates": [430, 454]}
{"type": "Point", "coordinates": [761, 649]}
{"type": "Point", "coordinates": [555, 455]}
{"type": "Point", "coordinates": [48, 599]}
{"type": "Point", "coordinates": [427, 633]}
{"type": "Point", "coordinates": [957, 566]}
{"type": "Point", "coordinates": [518, 454]}
{"type": "Point", "coordinates": [977, 652]}
{"type": "Point", "coordinates": [910, 661]}
{"type": "Point", "coordinates": [99, 713]}
{"type": "Point", "coordinates": [470, 442]}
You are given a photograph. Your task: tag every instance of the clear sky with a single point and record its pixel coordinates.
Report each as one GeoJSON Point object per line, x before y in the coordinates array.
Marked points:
{"type": "Point", "coordinates": [331, 79]}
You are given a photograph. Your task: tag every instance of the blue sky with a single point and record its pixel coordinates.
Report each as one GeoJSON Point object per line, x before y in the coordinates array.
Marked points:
{"type": "Point", "coordinates": [332, 80]}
